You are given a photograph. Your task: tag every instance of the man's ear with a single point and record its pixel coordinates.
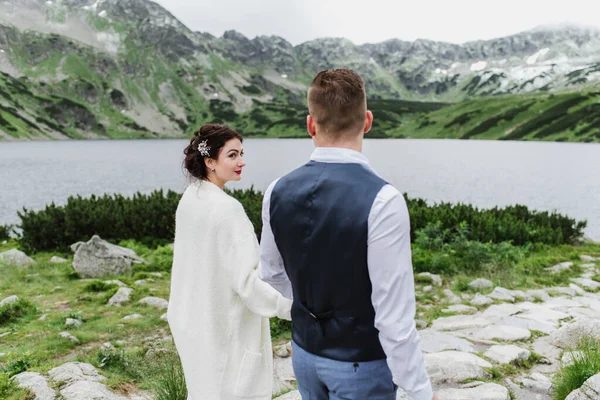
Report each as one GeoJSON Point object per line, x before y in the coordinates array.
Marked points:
{"type": "Point", "coordinates": [310, 125]}
{"type": "Point", "coordinates": [368, 121]}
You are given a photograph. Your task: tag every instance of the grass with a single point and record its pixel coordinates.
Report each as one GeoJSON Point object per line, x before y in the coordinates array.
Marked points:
{"type": "Point", "coordinates": [584, 366]}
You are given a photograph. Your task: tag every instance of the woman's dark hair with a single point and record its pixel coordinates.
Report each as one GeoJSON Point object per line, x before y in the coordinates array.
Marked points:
{"type": "Point", "coordinates": [206, 143]}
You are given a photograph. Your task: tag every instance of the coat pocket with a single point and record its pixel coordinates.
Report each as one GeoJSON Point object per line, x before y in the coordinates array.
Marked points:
{"type": "Point", "coordinates": [253, 377]}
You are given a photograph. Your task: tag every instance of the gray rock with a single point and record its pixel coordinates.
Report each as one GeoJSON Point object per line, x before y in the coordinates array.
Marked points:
{"type": "Point", "coordinates": [562, 291]}
{"type": "Point", "coordinates": [519, 294]}
{"type": "Point", "coordinates": [75, 372]}
{"type": "Point", "coordinates": [9, 300]}
{"type": "Point", "coordinates": [569, 357]}
{"type": "Point", "coordinates": [115, 282]}
{"type": "Point", "coordinates": [569, 335]}
{"type": "Point", "coordinates": [293, 395]}
{"type": "Point", "coordinates": [68, 336]}
{"type": "Point", "coordinates": [140, 282]}
{"type": "Point", "coordinates": [454, 367]}
{"type": "Point", "coordinates": [282, 351]}
{"type": "Point", "coordinates": [503, 332]}
{"type": "Point", "coordinates": [486, 391]}
{"type": "Point", "coordinates": [123, 295]}
{"type": "Point", "coordinates": [555, 269]}
{"type": "Point", "coordinates": [37, 384]}
{"type": "Point", "coordinates": [501, 310]}
{"type": "Point", "coordinates": [451, 297]}
{"type": "Point", "coordinates": [107, 346]}
{"type": "Point", "coordinates": [537, 382]}
{"type": "Point", "coordinates": [435, 279]}
{"type": "Point", "coordinates": [586, 258]}
{"type": "Point", "coordinates": [481, 283]}
{"type": "Point", "coordinates": [434, 342]}
{"type": "Point", "coordinates": [16, 258]}
{"type": "Point", "coordinates": [164, 317]}
{"type": "Point", "coordinates": [58, 260]}
{"type": "Point", "coordinates": [73, 322]}
{"type": "Point", "coordinates": [587, 283]}
{"type": "Point", "coordinates": [460, 309]}
{"type": "Point", "coordinates": [98, 258]}
{"type": "Point", "coordinates": [501, 294]}
{"type": "Point", "coordinates": [155, 302]}
{"type": "Point", "coordinates": [87, 390]}
{"type": "Point", "coordinates": [539, 294]}
{"type": "Point", "coordinates": [457, 322]}
{"type": "Point", "coordinates": [579, 291]}
{"type": "Point", "coordinates": [480, 300]}
{"type": "Point", "coordinates": [590, 390]}
{"type": "Point", "coordinates": [132, 316]}
{"type": "Point", "coordinates": [507, 354]}
{"type": "Point", "coordinates": [428, 288]}
{"type": "Point", "coordinates": [156, 274]}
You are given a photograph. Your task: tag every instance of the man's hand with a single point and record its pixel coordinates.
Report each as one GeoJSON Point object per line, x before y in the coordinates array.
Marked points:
{"type": "Point", "coordinates": [435, 397]}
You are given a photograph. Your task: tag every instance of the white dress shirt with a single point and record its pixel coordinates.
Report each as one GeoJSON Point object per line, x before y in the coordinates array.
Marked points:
{"type": "Point", "coordinates": [390, 270]}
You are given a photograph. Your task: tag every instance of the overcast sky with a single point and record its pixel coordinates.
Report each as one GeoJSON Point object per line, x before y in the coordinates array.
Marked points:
{"type": "Point", "coordinates": [369, 21]}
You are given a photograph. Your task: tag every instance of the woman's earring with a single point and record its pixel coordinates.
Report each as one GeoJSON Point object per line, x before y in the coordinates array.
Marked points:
{"type": "Point", "coordinates": [213, 170]}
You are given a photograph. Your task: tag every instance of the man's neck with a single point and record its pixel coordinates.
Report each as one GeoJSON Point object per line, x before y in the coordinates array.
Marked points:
{"type": "Point", "coordinates": [355, 144]}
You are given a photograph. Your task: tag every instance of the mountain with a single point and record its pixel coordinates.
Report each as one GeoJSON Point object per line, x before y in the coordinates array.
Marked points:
{"type": "Point", "coordinates": [130, 69]}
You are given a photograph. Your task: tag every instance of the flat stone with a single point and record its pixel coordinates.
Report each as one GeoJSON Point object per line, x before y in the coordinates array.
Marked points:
{"type": "Point", "coordinates": [579, 291]}
{"type": "Point", "coordinates": [545, 327]}
{"type": "Point", "coordinates": [587, 283]}
{"type": "Point", "coordinates": [501, 294]}
{"type": "Point", "coordinates": [451, 297]}
{"type": "Point", "coordinates": [16, 258]}
{"type": "Point", "coordinates": [164, 317]}
{"type": "Point", "coordinates": [503, 332]}
{"type": "Point", "coordinates": [37, 384]}
{"type": "Point", "coordinates": [115, 282]}
{"type": "Point", "coordinates": [155, 302]}
{"type": "Point", "coordinates": [480, 300]}
{"type": "Point", "coordinates": [569, 335]}
{"type": "Point", "coordinates": [140, 282]}
{"type": "Point", "coordinates": [123, 295]}
{"type": "Point", "coordinates": [457, 322]}
{"type": "Point", "coordinates": [434, 342]}
{"type": "Point", "coordinates": [562, 291]}
{"type": "Point", "coordinates": [58, 260]}
{"type": "Point", "coordinates": [73, 322]}
{"type": "Point", "coordinates": [68, 336]}
{"type": "Point", "coordinates": [9, 300]}
{"type": "Point", "coordinates": [555, 269]}
{"type": "Point", "coordinates": [586, 258]}
{"type": "Point", "coordinates": [561, 302]}
{"type": "Point", "coordinates": [454, 367]}
{"type": "Point", "coordinates": [507, 354]}
{"type": "Point", "coordinates": [435, 279]}
{"type": "Point", "coordinates": [539, 294]}
{"type": "Point", "coordinates": [74, 372]}
{"type": "Point", "coordinates": [427, 289]}
{"type": "Point", "coordinates": [501, 310]}
{"type": "Point", "coordinates": [519, 294]}
{"type": "Point", "coordinates": [460, 309]}
{"type": "Point", "coordinates": [132, 316]}
{"type": "Point", "coordinates": [480, 283]}
{"type": "Point", "coordinates": [84, 390]}
{"type": "Point", "coordinates": [486, 391]}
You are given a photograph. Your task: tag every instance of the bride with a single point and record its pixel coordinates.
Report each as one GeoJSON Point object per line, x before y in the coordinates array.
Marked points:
{"type": "Point", "coordinates": [219, 308]}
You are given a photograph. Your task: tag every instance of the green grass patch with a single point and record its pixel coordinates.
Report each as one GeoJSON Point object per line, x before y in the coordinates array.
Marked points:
{"type": "Point", "coordinates": [584, 366]}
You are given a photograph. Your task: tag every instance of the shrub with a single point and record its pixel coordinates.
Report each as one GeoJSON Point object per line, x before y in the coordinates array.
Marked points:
{"type": "Point", "coordinates": [98, 286]}
{"type": "Point", "coordinates": [5, 232]}
{"type": "Point", "coordinates": [279, 327]}
{"type": "Point", "coordinates": [16, 364]}
{"type": "Point", "coordinates": [14, 311]}
{"type": "Point", "coordinates": [150, 220]}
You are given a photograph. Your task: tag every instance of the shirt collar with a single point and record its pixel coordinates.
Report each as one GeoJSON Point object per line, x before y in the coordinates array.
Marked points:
{"type": "Point", "coordinates": [339, 155]}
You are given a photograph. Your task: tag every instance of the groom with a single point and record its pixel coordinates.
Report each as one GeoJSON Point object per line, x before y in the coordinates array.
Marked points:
{"type": "Point", "coordinates": [336, 239]}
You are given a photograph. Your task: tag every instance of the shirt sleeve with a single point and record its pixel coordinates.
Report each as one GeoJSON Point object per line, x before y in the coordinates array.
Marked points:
{"type": "Point", "coordinates": [393, 296]}
{"type": "Point", "coordinates": [271, 269]}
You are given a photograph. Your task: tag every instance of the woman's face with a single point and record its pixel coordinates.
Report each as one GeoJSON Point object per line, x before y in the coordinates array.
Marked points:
{"type": "Point", "coordinates": [229, 164]}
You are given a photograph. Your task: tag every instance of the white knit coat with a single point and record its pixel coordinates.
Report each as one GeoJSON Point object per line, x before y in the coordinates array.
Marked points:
{"type": "Point", "coordinates": [219, 308]}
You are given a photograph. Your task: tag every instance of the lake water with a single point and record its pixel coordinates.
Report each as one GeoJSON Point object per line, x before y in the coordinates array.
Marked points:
{"type": "Point", "coordinates": [546, 176]}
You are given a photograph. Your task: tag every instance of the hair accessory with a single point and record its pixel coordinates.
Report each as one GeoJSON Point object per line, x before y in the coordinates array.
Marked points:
{"type": "Point", "coordinates": [203, 148]}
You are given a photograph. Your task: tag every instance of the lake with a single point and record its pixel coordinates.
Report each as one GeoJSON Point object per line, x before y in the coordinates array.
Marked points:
{"type": "Point", "coordinates": [546, 176]}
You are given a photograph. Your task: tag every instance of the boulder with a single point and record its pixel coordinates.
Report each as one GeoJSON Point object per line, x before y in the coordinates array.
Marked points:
{"type": "Point", "coordinates": [16, 258]}
{"type": "Point", "coordinates": [98, 258]}
{"type": "Point", "coordinates": [122, 296]}
{"type": "Point", "coordinates": [590, 390]}
{"type": "Point", "coordinates": [507, 354]}
{"type": "Point", "coordinates": [37, 384]}
{"type": "Point", "coordinates": [454, 367]}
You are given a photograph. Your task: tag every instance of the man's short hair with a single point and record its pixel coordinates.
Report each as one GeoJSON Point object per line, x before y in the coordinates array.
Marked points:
{"type": "Point", "coordinates": [337, 101]}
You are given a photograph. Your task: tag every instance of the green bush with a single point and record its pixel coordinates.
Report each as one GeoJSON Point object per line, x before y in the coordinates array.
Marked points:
{"type": "Point", "coordinates": [150, 220]}
{"type": "Point", "coordinates": [279, 327]}
{"type": "Point", "coordinates": [5, 232]}
{"type": "Point", "coordinates": [14, 311]}
{"type": "Point", "coordinates": [16, 364]}
{"type": "Point", "coordinates": [98, 286]}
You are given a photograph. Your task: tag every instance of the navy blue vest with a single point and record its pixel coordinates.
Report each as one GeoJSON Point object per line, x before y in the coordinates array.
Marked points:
{"type": "Point", "coordinates": [319, 217]}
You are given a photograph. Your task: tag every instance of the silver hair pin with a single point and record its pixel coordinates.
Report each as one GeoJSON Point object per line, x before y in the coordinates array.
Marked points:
{"type": "Point", "coordinates": [203, 148]}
